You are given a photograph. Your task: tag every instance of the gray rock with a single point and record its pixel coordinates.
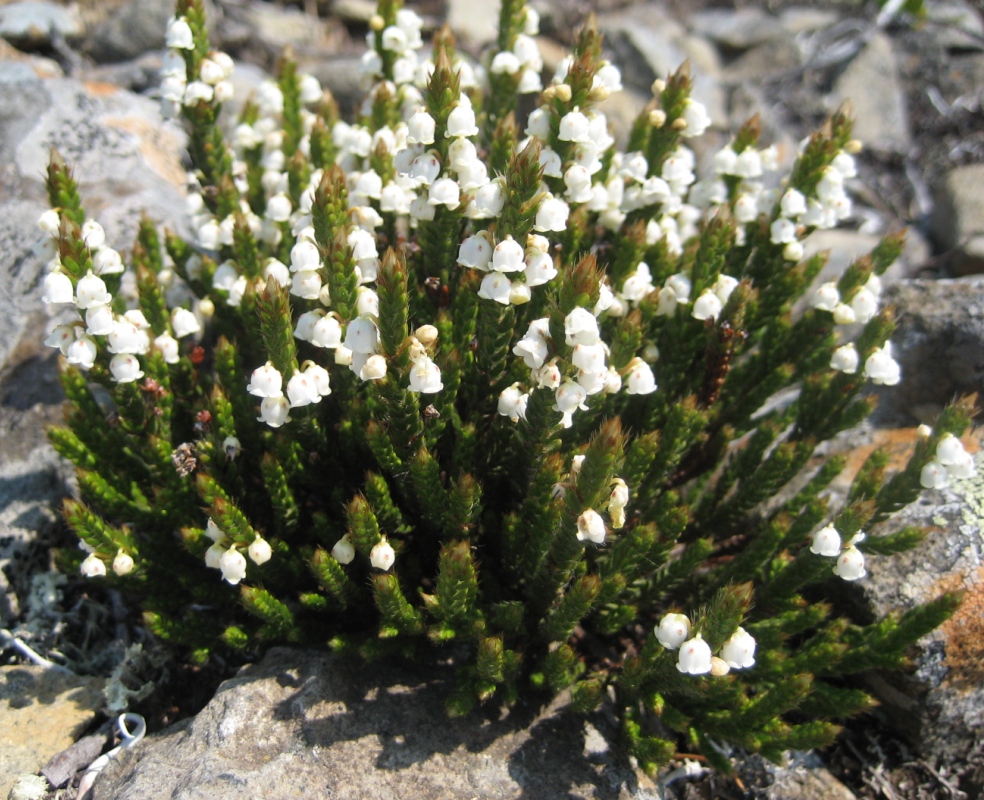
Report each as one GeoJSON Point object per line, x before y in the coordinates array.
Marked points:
{"type": "Point", "coordinates": [647, 44]}
{"type": "Point", "coordinates": [303, 724]}
{"type": "Point", "coordinates": [33, 24]}
{"type": "Point", "coordinates": [939, 707]}
{"type": "Point", "coordinates": [475, 23]}
{"type": "Point", "coordinates": [807, 780]}
{"type": "Point", "coordinates": [764, 61]}
{"type": "Point", "coordinates": [871, 83]}
{"type": "Point", "coordinates": [359, 11]}
{"type": "Point", "coordinates": [957, 25]}
{"type": "Point", "coordinates": [737, 30]}
{"type": "Point", "coordinates": [939, 342]}
{"type": "Point", "coordinates": [804, 19]}
{"type": "Point", "coordinates": [130, 31]}
{"type": "Point", "coordinates": [957, 222]}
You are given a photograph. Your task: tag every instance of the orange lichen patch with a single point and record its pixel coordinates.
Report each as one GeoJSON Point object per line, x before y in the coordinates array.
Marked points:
{"type": "Point", "coordinates": [963, 633]}
{"type": "Point", "coordinates": [898, 442]}
{"type": "Point", "coordinates": [100, 88]}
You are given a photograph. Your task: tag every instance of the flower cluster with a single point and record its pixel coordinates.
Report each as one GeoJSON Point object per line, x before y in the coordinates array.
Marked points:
{"type": "Point", "coordinates": [949, 461]}
{"type": "Point", "coordinates": [850, 560]}
{"type": "Point", "coordinates": [675, 632]}
{"type": "Point", "coordinates": [445, 372]}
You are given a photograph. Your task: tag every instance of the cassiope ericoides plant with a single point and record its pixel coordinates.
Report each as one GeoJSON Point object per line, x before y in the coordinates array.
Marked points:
{"type": "Point", "coordinates": [447, 382]}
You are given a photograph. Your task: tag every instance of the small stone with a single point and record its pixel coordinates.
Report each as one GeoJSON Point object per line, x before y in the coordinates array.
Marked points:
{"type": "Point", "coordinates": [956, 24]}
{"type": "Point", "coordinates": [34, 24]}
{"type": "Point", "coordinates": [737, 30]}
{"type": "Point", "coordinates": [957, 222]}
{"type": "Point", "coordinates": [42, 711]}
{"type": "Point", "coordinates": [803, 19]}
{"type": "Point", "coordinates": [871, 83]}
{"type": "Point", "coordinates": [476, 23]}
{"type": "Point", "coordinates": [129, 31]}
{"type": "Point", "coordinates": [939, 343]}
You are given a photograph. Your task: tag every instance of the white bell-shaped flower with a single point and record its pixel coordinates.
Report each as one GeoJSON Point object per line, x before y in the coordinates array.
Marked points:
{"type": "Point", "coordinates": [91, 291]}
{"type": "Point", "coordinates": [845, 359]}
{"type": "Point", "coordinates": [266, 381]}
{"type": "Point", "coordinates": [461, 120]}
{"type": "Point", "coordinates": [490, 199]}
{"type": "Point", "coordinates": [934, 475]}
{"type": "Point", "coordinates": [320, 377]}
{"type": "Point", "coordinates": [850, 564]}
{"type": "Point", "coordinates": [125, 368]}
{"type": "Point", "coordinates": [696, 118]}
{"type": "Point", "coordinates": [508, 256]}
{"type": "Point", "coordinates": [864, 304]}
{"type": "Point", "coordinates": [420, 128]}
{"type": "Point", "coordinates": [826, 542]}
{"type": "Point", "coordinates": [168, 347]}
{"type": "Point", "coordinates": [61, 337]}
{"type": "Point", "coordinates": [233, 566]}
{"type": "Point", "coordinates": [278, 208]}
{"type": "Point", "coordinates": [640, 378]}
{"type": "Point", "coordinates": [373, 369]}
{"type": "Point", "coordinates": [949, 450]}
{"type": "Point", "coordinates": [475, 251]}
{"type": "Point", "coordinates": [301, 390]}
{"type": "Point", "coordinates": [574, 127]}
{"type": "Point", "coordinates": [673, 630]}
{"type": "Point", "coordinates": [425, 376]}
{"type": "Point", "coordinates": [512, 403]}
{"type": "Point", "coordinates": [326, 332]}
{"type": "Point", "coordinates": [695, 657]}
{"type": "Point", "coordinates": [274, 411]}
{"type": "Point", "coordinates": [260, 551]}
{"type": "Point", "coordinates": [344, 551]}
{"type": "Point", "coordinates": [707, 306]}
{"type": "Point", "coordinates": [826, 297]}
{"type": "Point", "coordinates": [591, 527]}
{"type": "Point", "coordinates": [552, 215]}
{"type": "Point", "coordinates": [82, 352]}
{"type": "Point", "coordinates": [306, 285]}
{"type": "Point", "coordinates": [538, 123]}
{"type": "Point", "coordinates": [496, 286]}
{"type": "Point", "coordinates": [93, 566]}
{"type": "Point", "coordinates": [184, 323]}
{"type": "Point", "coordinates": [99, 320]}
{"type": "Point", "coordinates": [362, 336]}
{"type": "Point", "coordinates": [179, 35]}
{"type": "Point", "coordinates": [881, 368]}
{"type": "Point", "coordinates": [569, 397]}
{"type": "Point", "coordinates": [581, 327]}
{"type": "Point", "coordinates": [793, 203]}
{"type": "Point", "coordinates": [444, 192]}
{"type": "Point", "coordinates": [739, 651]}
{"type": "Point", "coordinates": [382, 555]}
{"type": "Point", "coordinates": [58, 288]}
{"type": "Point", "coordinates": [107, 261]}
{"type": "Point", "coordinates": [540, 268]}
{"type": "Point", "coordinates": [123, 563]}
{"type": "Point", "coordinates": [304, 256]}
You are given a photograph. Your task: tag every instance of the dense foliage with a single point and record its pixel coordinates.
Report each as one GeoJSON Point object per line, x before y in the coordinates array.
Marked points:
{"type": "Point", "coordinates": [441, 384]}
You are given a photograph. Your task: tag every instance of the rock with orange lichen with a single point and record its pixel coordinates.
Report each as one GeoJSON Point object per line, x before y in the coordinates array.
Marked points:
{"type": "Point", "coordinates": [939, 705]}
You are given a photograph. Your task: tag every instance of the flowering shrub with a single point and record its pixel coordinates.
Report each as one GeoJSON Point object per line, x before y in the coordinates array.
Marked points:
{"type": "Point", "coordinates": [444, 383]}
